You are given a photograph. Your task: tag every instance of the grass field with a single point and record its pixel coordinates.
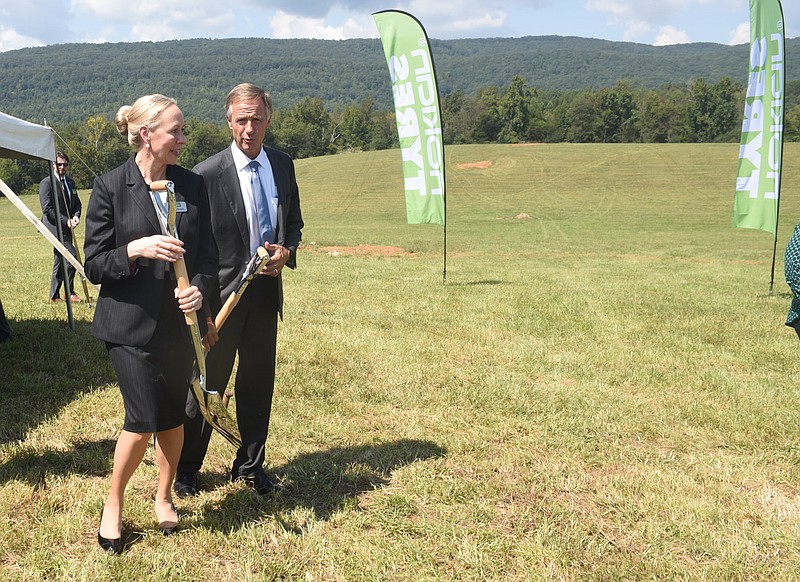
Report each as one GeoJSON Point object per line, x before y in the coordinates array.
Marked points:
{"type": "Point", "coordinates": [603, 390]}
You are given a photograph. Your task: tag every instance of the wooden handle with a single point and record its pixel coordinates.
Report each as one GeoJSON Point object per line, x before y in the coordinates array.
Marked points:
{"type": "Point", "coordinates": [261, 257]}
{"type": "Point", "coordinates": [183, 284]}
{"type": "Point", "coordinates": [159, 185]}
{"type": "Point", "coordinates": [223, 314]}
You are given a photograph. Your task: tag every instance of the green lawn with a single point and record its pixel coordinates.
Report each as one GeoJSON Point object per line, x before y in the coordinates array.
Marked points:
{"type": "Point", "coordinates": [601, 390]}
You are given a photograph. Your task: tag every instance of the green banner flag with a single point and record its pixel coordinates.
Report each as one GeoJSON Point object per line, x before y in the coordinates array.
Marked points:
{"type": "Point", "coordinates": [758, 178]}
{"type": "Point", "coordinates": [419, 125]}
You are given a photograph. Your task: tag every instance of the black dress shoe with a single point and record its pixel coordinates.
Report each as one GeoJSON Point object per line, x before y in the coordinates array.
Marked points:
{"type": "Point", "coordinates": [169, 527]}
{"type": "Point", "coordinates": [113, 546]}
{"type": "Point", "coordinates": [185, 485]}
{"type": "Point", "coordinates": [260, 483]}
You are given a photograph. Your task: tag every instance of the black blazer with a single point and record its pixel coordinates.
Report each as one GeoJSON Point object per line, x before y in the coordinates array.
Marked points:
{"type": "Point", "coordinates": [120, 210]}
{"type": "Point", "coordinates": [229, 220]}
{"type": "Point", "coordinates": [48, 201]}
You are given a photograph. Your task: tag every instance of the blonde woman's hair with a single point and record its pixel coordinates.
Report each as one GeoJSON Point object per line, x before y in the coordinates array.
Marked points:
{"type": "Point", "coordinates": [145, 112]}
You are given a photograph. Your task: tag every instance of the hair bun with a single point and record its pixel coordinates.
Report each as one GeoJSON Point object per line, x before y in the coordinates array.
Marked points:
{"type": "Point", "coordinates": [121, 119]}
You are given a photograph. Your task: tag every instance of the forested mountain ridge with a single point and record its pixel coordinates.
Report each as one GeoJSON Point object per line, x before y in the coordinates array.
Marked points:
{"type": "Point", "coordinates": [69, 83]}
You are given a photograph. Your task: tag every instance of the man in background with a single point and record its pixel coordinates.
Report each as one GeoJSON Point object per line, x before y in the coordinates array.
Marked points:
{"type": "Point", "coordinates": [69, 207]}
{"type": "Point", "coordinates": [254, 202]}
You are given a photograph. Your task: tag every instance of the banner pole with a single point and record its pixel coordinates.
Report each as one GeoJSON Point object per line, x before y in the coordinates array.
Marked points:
{"type": "Point", "coordinates": [444, 272]}
{"type": "Point", "coordinates": [774, 252]}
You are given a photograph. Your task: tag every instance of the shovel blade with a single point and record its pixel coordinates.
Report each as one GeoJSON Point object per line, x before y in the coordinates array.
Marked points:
{"type": "Point", "coordinates": [216, 414]}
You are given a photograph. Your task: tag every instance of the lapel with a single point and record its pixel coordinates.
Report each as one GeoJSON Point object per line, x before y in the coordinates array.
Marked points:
{"type": "Point", "coordinates": [232, 190]}
{"type": "Point", "coordinates": [61, 197]}
{"type": "Point", "coordinates": [179, 197]}
{"type": "Point", "coordinates": [138, 191]}
{"type": "Point", "coordinates": [280, 187]}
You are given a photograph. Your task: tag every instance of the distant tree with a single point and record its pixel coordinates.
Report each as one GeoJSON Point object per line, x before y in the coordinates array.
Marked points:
{"type": "Point", "coordinates": [662, 114]}
{"type": "Point", "coordinates": [513, 111]}
{"type": "Point", "coordinates": [203, 139]}
{"type": "Point", "coordinates": [584, 118]}
{"type": "Point", "coordinates": [452, 104]}
{"type": "Point", "coordinates": [305, 129]}
{"type": "Point", "coordinates": [713, 110]}
{"type": "Point", "coordinates": [94, 148]}
{"type": "Point", "coordinates": [384, 131]}
{"type": "Point", "coordinates": [487, 123]}
{"type": "Point", "coordinates": [23, 176]}
{"type": "Point", "coordinates": [358, 126]}
{"type": "Point", "coordinates": [539, 126]}
{"type": "Point", "coordinates": [618, 112]}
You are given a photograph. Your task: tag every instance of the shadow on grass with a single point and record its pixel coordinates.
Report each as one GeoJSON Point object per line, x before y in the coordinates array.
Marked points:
{"type": "Point", "coordinates": [476, 283]}
{"type": "Point", "coordinates": [324, 482]}
{"type": "Point", "coordinates": [34, 466]}
{"type": "Point", "coordinates": [44, 368]}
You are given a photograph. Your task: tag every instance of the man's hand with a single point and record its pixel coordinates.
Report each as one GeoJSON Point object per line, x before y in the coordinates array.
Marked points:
{"type": "Point", "coordinates": [211, 337]}
{"type": "Point", "coordinates": [279, 256]}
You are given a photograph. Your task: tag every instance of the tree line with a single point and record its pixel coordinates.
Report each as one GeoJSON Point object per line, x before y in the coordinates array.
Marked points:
{"type": "Point", "coordinates": [697, 112]}
{"type": "Point", "coordinates": [69, 83]}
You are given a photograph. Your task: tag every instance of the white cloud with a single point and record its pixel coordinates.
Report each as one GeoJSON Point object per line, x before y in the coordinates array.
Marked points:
{"type": "Point", "coordinates": [467, 17]}
{"type": "Point", "coordinates": [478, 22]}
{"type": "Point", "coordinates": [289, 26]}
{"type": "Point", "coordinates": [671, 35]}
{"type": "Point", "coordinates": [636, 30]}
{"type": "Point", "coordinates": [11, 40]}
{"type": "Point", "coordinates": [152, 20]}
{"type": "Point", "coordinates": [741, 35]}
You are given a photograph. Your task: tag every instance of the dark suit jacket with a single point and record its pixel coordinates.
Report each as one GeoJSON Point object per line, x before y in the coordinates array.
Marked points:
{"type": "Point", "coordinates": [229, 220]}
{"type": "Point", "coordinates": [48, 201]}
{"type": "Point", "coordinates": [120, 211]}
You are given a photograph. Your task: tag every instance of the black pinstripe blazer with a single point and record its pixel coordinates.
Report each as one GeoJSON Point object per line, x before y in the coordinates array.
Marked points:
{"type": "Point", "coordinates": [120, 210]}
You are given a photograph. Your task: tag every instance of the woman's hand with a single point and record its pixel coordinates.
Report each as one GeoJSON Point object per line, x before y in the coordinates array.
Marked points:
{"type": "Point", "coordinates": [158, 246]}
{"type": "Point", "coordinates": [190, 299]}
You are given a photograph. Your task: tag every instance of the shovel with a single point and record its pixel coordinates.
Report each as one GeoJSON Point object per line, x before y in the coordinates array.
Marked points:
{"type": "Point", "coordinates": [210, 402]}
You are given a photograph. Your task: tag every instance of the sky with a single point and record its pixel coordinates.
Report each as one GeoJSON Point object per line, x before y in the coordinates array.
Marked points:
{"type": "Point", "coordinates": [27, 23]}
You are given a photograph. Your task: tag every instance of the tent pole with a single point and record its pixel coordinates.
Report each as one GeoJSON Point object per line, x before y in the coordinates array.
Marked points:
{"type": "Point", "coordinates": [59, 230]}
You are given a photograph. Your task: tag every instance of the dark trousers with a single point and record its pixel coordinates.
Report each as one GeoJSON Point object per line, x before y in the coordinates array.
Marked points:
{"type": "Point", "coordinates": [251, 332]}
{"type": "Point", "coordinates": [58, 274]}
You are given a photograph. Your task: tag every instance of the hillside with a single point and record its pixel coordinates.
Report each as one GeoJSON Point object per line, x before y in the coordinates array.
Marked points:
{"type": "Point", "coordinates": [68, 83]}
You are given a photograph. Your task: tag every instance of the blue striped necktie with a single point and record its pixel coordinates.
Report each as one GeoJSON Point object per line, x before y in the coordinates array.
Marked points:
{"type": "Point", "coordinates": [262, 206]}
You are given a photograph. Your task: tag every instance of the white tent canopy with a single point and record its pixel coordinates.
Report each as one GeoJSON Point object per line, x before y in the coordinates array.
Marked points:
{"type": "Point", "coordinates": [25, 140]}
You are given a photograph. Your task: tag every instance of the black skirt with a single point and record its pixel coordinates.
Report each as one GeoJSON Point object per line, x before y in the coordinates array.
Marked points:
{"type": "Point", "coordinates": [154, 379]}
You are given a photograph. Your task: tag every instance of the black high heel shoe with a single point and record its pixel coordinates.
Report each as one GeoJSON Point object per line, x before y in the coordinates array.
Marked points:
{"type": "Point", "coordinates": [113, 546]}
{"type": "Point", "coordinates": [168, 527]}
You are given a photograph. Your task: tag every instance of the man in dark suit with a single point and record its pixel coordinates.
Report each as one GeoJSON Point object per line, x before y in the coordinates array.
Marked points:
{"type": "Point", "coordinates": [69, 208]}
{"type": "Point", "coordinates": [254, 202]}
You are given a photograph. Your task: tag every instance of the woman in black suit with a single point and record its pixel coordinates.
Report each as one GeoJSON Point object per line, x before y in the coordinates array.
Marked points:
{"type": "Point", "coordinates": [138, 314]}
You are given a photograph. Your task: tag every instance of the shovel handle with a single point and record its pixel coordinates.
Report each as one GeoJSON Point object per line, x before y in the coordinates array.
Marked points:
{"type": "Point", "coordinates": [183, 283]}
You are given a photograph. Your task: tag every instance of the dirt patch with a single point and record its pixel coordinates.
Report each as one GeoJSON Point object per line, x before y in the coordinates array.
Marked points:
{"type": "Point", "coordinates": [520, 216]}
{"type": "Point", "coordinates": [364, 250]}
{"type": "Point", "coordinates": [480, 165]}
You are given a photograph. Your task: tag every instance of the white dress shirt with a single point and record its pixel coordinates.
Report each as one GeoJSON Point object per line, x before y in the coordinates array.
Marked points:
{"type": "Point", "coordinates": [242, 163]}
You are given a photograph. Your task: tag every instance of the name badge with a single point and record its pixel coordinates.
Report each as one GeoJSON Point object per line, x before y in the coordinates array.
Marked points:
{"type": "Point", "coordinates": [180, 206]}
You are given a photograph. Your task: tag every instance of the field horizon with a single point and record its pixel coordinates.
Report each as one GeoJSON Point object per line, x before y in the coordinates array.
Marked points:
{"type": "Point", "coordinates": [602, 389]}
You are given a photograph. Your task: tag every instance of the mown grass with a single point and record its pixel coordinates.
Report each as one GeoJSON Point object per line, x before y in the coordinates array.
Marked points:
{"type": "Point", "coordinates": [603, 390]}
